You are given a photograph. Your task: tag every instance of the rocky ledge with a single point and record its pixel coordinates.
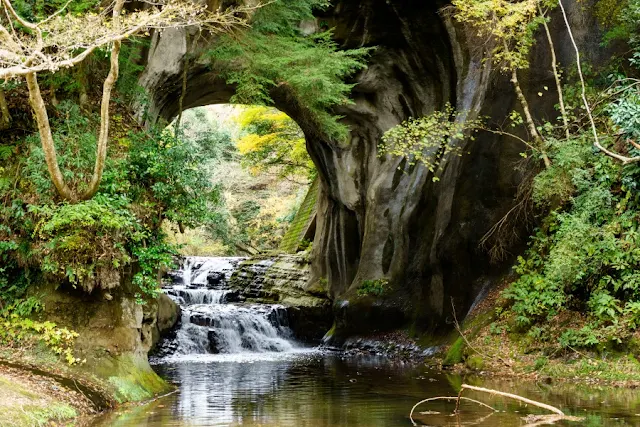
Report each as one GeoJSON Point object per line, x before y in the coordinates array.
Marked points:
{"type": "Point", "coordinates": [284, 279]}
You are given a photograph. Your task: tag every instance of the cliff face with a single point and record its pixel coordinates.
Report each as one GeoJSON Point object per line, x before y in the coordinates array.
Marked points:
{"type": "Point", "coordinates": [115, 335]}
{"type": "Point", "coordinates": [379, 217]}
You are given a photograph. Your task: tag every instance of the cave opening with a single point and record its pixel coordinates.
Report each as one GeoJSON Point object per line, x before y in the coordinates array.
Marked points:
{"type": "Point", "coordinates": [256, 157]}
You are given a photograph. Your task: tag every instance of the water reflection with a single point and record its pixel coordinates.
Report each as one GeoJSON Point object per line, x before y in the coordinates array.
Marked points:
{"type": "Point", "coordinates": [319, 390]}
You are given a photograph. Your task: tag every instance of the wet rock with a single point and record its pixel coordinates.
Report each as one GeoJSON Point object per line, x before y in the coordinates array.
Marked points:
{"type": "Point", "coordinates": [285, 279]}
{"type": "Point", "coordinates": [214, 346]}
{"type": "Point", "coordinates": [168, 313]}
{"type": "Point", "coordinates": [392, 345]}
{"type": "Point", "coordinates": [216, 279]}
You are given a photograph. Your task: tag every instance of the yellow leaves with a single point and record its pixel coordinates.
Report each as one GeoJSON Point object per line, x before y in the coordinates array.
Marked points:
{"type": "Point", "coordinates": [253, 142]}
{"type": "Point", "coordinates": [505, 21]}
{"type": "Point", "coordinates": [272, 141]}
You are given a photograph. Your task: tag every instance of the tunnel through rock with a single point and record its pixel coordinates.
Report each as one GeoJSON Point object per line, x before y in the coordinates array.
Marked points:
{"type": "Point", "coordinates": [256, 159]}
{"type": "Point", "coordinates": [379, 217]}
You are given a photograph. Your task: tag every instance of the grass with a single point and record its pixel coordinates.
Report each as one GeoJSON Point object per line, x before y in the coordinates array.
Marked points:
{"type": "Point", "coordinates": [507, 353]}
{"type": "Point", "coordinates": [20, 406]}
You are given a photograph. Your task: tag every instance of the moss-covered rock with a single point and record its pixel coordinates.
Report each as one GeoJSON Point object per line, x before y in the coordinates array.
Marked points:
{"type": "Point", "coordinates": [455, 354]}
{"type": "Point", "coordinates": [475, 363]}
{"type": "Point", "coordinates": [130, 377]}
{"type": "Point", "coordinates": [115, 335]}
{"type": "Point", "coordinates": [285, 279]}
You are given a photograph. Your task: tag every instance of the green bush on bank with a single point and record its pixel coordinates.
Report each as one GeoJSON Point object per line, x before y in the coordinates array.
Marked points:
{"type": "Point", "coordinates": [151, 176]}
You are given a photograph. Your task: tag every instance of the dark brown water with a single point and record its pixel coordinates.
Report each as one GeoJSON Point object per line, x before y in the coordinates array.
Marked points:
{"type": "Point", "coordinates": [320, 390]}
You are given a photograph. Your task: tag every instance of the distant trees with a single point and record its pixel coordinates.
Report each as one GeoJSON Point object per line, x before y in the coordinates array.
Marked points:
{"type": "Point", "coordinates": [273, 142]}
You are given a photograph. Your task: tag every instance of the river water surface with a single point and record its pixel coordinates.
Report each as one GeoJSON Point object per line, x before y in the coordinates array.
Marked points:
{"type": "Point", "coordinates": [317, 389]}
{"type": "Point", "coordinates": [236, 364]}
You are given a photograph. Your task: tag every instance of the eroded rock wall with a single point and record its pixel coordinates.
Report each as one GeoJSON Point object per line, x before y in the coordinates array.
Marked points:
{"type": "Point", "coordinates": [380, 217]}
{"type": "Point", "coordinates": [115, 335]}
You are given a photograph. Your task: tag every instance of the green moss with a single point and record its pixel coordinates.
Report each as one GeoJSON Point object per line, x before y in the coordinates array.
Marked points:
{"type": "Point", "coordinates": [455, 353]}
{"type": "Point", "coordinates": [376, 287]}
{"type": "Point", "coordinates": [131, 378]}
{"type": "Point", "coordinates": [297, 231]}
{"type": "Point", "coordinates": [41, 412]}
{"type": "Point", "coordinates": [475, 363]}
{"type": "Point", "coordinates": [331, 331]}
{"type": "Point", "coordinates": [37, 415]}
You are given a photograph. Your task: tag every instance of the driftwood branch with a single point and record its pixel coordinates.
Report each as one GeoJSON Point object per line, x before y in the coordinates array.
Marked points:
{"type": "Point", "coordinates": [532, 420]}
{"type": "Point", "coordinates": [508, 395]}
{"type": "Point", "coordinates": [446, 398]}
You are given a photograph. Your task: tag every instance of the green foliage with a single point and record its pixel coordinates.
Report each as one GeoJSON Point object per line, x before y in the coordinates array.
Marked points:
{"type": "Point", "coordinates": [37, 10]}
{"type": "Point", "coordinates": [171, 176]}
{"type": "Point", "coordinates": [376, 287]}
{"type": "Point", "coordinates": [274, 54]}
{"type": "Point", "coordinates": [75, 140]}
{"type": "Point", "coordinates": [151, 257]}
{"type": "Point", "coordinates": [429, 139]}
{"type": "Point", "coordinates": [73, 235]}
{"type": "Point", "coordinates": [586, 258]}
{"type": "Point", "coordinates": [272, 141]}
{"type": "Point", "coordinates": [18, 331]}
{"type": "Point", "coordinates": [130, 61]}
{"type": "Point", "coordinates": [512, 27]}
{"type": "Point", "coordinates": [150, 176]}
{"type": "Point", "coordinates": [555, 185]}
{"type": "Point", "coordinates": [621, 19]}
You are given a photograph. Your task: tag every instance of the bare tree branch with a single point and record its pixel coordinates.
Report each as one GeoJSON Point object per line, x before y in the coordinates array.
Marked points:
{"type": "Point", "coordinates": [70, 39]}
{"type": "Point", "coordinates": [65, 41]}
{"type": "Point", "coordinates": [624, 159]}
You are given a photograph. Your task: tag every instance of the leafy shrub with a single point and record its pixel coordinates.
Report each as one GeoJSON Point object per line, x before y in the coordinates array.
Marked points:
{"type": "Point", "coordinates": [86, 242]}
{"type": "Point", "coordinates": [376, 287]}
{"type": "Point", "coordinates": [585, 258]}
{"type": "Point", "coordinates": [18, 331]}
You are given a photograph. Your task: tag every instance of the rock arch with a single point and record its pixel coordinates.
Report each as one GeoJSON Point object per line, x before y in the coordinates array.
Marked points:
{"type": "Point", "coordinates": [378, 217]}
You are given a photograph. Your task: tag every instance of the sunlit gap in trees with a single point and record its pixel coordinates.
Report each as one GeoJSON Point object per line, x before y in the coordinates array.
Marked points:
{"type": "Point", "coordinates": [257, 157]}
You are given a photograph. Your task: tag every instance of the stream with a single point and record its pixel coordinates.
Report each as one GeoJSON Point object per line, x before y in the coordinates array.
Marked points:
{"type": "Point", "coordinates": [238, 364]}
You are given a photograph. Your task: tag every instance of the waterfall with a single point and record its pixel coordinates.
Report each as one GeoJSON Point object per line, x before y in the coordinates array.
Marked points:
{"type": "Point", "coordinates": [214, 317]}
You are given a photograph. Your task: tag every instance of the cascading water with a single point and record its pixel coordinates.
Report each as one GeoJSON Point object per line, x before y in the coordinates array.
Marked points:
{"type": "Point", "coordinates": [214, 317]}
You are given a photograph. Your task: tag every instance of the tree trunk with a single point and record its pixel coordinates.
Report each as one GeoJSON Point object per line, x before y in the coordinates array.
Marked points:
{"type": "Point", "coordinates": [44, 127]}
{"type": "Point", "coordinates": [109, 83]}
{"type": "Point", "coordinates": [531, 125]}
{"type": "Point", "coordinates": [5, 117]}
{"type": "Point", "coordinates": [556, 74]}
{"type": "Point", "coordinates": [539, 142]}
{"type": "Point", "coordinates": [46, 138]}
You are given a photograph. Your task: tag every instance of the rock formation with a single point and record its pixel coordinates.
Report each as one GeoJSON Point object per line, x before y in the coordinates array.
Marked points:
{"type": "Point", "coordinates": [379, 217]}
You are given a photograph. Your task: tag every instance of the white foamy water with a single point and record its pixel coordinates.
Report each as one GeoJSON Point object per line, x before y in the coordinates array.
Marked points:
{"type": "Point", "coordinates": [211, 325]}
